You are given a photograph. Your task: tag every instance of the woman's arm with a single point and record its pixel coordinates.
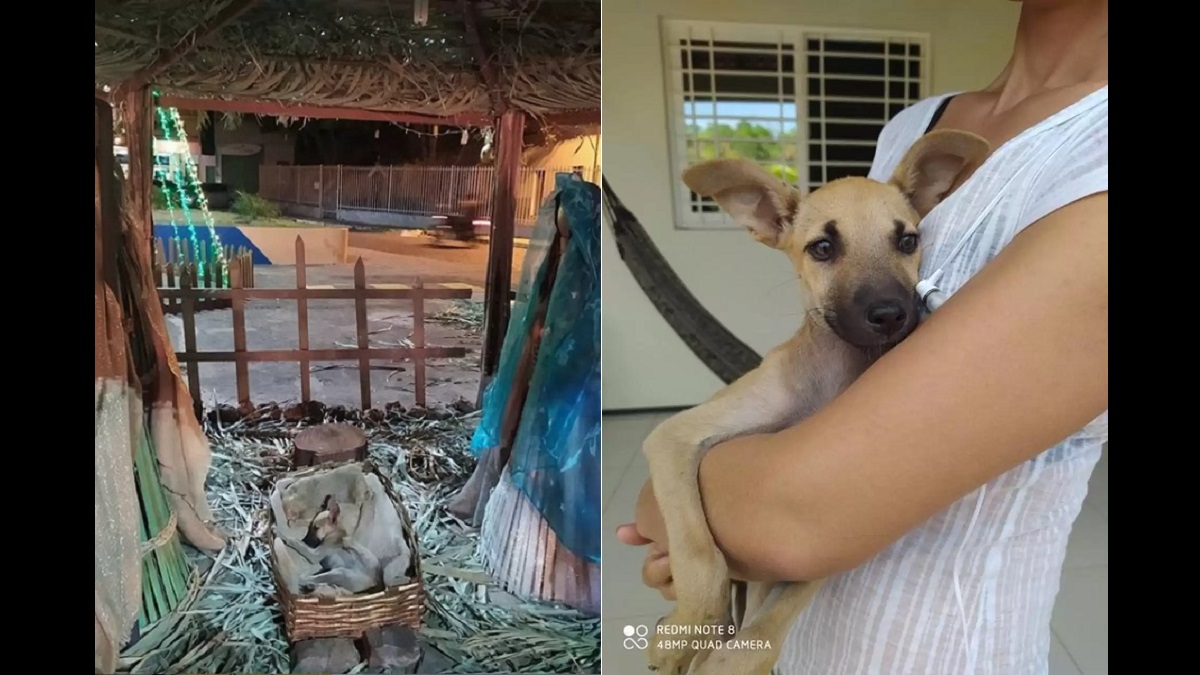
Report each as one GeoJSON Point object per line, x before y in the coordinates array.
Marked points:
{"type": "Point", "coordinates": [1011, 365]}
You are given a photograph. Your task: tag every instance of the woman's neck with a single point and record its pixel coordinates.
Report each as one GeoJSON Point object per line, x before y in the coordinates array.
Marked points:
{"type": "Point", "coordinates": [1060, 44]}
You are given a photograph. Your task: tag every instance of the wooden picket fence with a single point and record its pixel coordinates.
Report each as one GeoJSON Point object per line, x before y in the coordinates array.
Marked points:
{"type": "Point", "coordinates": [189, 298]}
{"type": "Point", "coordinates": [179, 266]}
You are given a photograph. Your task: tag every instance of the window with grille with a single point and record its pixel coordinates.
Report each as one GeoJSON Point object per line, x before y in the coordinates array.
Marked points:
{"type": "Point", "coordinates": [807, 104]}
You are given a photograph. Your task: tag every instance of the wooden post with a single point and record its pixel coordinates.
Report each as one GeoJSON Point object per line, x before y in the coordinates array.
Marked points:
{"type": "Point", "coordinates": [302, 322]}
{"type": "Point", "coordinates": [188, 310]}
{"type": "Point", "coordinates": [418, 339]}
{"type": "Point", "coordinates": [504, 206]}
{"type": "Point", "coordinates": [364, 336]}
{"type": "Point", "coordinates": [156, 254]}
{"type": "Point", "coordinates": [527, 362]}
{"type": "Point", "coordinates": [241, 365]}
{"type": "Point", "coordinates": [139, 138]}
{"type": "Point", "coordinates": [108, 214]}
{"type": "Point", "coordinates": [206, 282]}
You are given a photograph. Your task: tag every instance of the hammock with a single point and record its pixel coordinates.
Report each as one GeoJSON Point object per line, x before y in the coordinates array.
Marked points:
{"type": "Point", "coordinates": [709, 340]}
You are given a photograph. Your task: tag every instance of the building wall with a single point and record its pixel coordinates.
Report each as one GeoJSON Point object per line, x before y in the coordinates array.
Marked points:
{"type": "Point", "coordinates": [582, 150]}
{"type": "Point", "coordinates": [748, 287]}
{"type": "Point", "coordinates": [277, 146]}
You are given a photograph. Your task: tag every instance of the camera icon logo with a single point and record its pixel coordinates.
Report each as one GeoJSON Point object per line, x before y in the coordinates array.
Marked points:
{"type": "Point", "coordinates": [635, 637]}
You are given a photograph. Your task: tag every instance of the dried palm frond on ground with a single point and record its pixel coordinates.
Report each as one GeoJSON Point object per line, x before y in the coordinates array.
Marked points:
{"type": "Point", "coordinates": [230, 623]}
{"type": "Point", "coordinates": [467, 314]}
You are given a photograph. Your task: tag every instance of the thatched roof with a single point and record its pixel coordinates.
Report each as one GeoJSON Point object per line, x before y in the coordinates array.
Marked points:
{"type": "Point", "coordinates": [542, 56]}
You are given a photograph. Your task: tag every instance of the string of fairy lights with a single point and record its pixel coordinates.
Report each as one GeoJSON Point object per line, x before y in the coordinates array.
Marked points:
{"type": "Point", "coordinates": [185, 180]}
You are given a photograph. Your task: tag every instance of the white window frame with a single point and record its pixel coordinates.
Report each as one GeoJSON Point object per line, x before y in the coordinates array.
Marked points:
{"type": "Point", "coordinates": [673, 30]}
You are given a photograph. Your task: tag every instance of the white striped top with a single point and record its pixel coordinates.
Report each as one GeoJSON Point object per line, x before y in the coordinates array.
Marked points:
{"type": "Point", "coordinates": [902, 612]}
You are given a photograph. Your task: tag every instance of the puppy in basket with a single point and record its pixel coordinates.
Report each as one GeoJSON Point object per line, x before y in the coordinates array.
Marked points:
{"type": "Point", "coordinates": [345, 568]}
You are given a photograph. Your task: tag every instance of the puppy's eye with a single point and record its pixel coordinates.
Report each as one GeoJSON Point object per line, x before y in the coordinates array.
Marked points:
{"type": "Point", "coordinates": [907, 243]}
{"type": "Point", "coordinates": [820, 250]}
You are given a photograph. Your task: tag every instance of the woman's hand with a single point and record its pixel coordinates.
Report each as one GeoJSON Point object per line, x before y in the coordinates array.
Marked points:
{"type": "Point", "coordinates": [648, 530]}
{"type": "Point", "coordinates": [656, 570]}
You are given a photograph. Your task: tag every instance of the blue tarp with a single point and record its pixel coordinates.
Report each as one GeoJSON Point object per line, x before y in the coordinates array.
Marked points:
{"type": "Point", "coordinates": [555, 458]}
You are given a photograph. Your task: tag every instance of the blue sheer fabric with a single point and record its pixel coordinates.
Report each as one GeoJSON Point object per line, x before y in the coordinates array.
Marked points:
{"type": "Point", "coordinates": [555, 458]}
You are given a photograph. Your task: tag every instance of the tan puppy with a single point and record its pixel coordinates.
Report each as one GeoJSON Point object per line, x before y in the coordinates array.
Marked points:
{"type": "Point", "coordinates": [343, 564]}
{"type": "Point", "coordinates": [854, 245]}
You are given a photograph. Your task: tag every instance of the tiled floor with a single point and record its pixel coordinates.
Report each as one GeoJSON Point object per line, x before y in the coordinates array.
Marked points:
{"type": "Point", "coordinates": [1080, 622]}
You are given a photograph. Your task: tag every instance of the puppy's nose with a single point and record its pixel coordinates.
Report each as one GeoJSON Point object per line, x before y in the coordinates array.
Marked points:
{"type": "Point", "coordinates": [886, 317]}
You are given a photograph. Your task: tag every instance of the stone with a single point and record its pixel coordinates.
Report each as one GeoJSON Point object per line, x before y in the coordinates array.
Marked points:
{"type": "Point", "coordinates": [224, 414]}
{"type": "Point", "coordinates": [463, 406]}
{"type": "Point", "coordinates": [312, 412]}
{"type": "Point", "coordinates": [327, 656]}
{"type": "Point", "coordinates": [433, 661]}
{"type": "Point", "coordinates": [391, 647]}
{"type": "Point", "coordinates": [440, 414]}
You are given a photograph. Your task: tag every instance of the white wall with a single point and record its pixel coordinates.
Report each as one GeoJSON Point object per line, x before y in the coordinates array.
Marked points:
{"type": "Point", "coordinates": [749, 287]}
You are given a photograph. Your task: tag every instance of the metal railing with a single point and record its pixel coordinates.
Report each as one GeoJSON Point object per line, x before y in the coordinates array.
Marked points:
{"type": "Point", "coordinates": [407, 190]}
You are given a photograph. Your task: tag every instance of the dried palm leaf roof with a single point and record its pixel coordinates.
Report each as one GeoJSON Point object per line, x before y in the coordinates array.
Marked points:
{"type": "Point", "coordinates": [541, 56]}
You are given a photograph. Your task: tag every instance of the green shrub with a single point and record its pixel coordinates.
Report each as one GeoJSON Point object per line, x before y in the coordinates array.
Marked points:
{"type": "Point", "coordinates": [158, 199]}
{"type": "Point", "coordinates": [252, 206]}
{"type": "Point", "coordinates": [162, 198]}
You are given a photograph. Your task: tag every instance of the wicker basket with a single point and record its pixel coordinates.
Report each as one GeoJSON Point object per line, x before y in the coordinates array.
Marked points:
{"type": "Point", "coordinates": [307, 617]}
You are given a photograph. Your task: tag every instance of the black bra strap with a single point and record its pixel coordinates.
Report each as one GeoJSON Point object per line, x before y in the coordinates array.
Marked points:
{"type": "Point", "coordinates": [937, 114]}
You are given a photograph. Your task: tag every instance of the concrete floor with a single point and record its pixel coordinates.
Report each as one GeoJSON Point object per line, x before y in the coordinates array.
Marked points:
{"type": "Point", "coordinates": [408, 257]}
{"type": "Point", "coordinates": [1080, 623]}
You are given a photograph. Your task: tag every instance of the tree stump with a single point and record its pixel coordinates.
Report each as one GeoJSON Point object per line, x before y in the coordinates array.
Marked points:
{"type": "Point", "coordinates": [329, 443]}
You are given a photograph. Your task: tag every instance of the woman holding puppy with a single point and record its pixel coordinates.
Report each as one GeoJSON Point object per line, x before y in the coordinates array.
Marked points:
{"type": "Point", "coordinates": [939, 490]}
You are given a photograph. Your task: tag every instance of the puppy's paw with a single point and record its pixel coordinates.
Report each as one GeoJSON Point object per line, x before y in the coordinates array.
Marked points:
{"type": "Point", "coordinates": [703, 593]}
{"type": "Point", "coordinates": [735, 659]}
{"type": "Point", "coordinates": [669, 654]}
{"type": "Point", "coordinates": [681, 641]}
{"type": "Point", "coordinates": [702, 656]}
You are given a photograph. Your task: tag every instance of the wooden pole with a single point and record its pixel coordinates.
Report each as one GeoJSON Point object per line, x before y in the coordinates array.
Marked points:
{"type": "Point", "coordinates": [483, 61]}
{"type": "Point", "coordinates": [523, 377]}
{"type": "Point", "coordinates": [139, 138]}
{"type": "Point", "coordinates": [108, 212]}
{"type": "Point", "coordinates": [500, 257]}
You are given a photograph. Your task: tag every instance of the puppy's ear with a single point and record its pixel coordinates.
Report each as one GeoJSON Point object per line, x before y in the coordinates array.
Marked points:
{"type": "Point", "coordinates": [933, 164]}
{"type": "Point", "coordinates": [334, 509]}
{"type": "Point", "coordinates": [757, 200]}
